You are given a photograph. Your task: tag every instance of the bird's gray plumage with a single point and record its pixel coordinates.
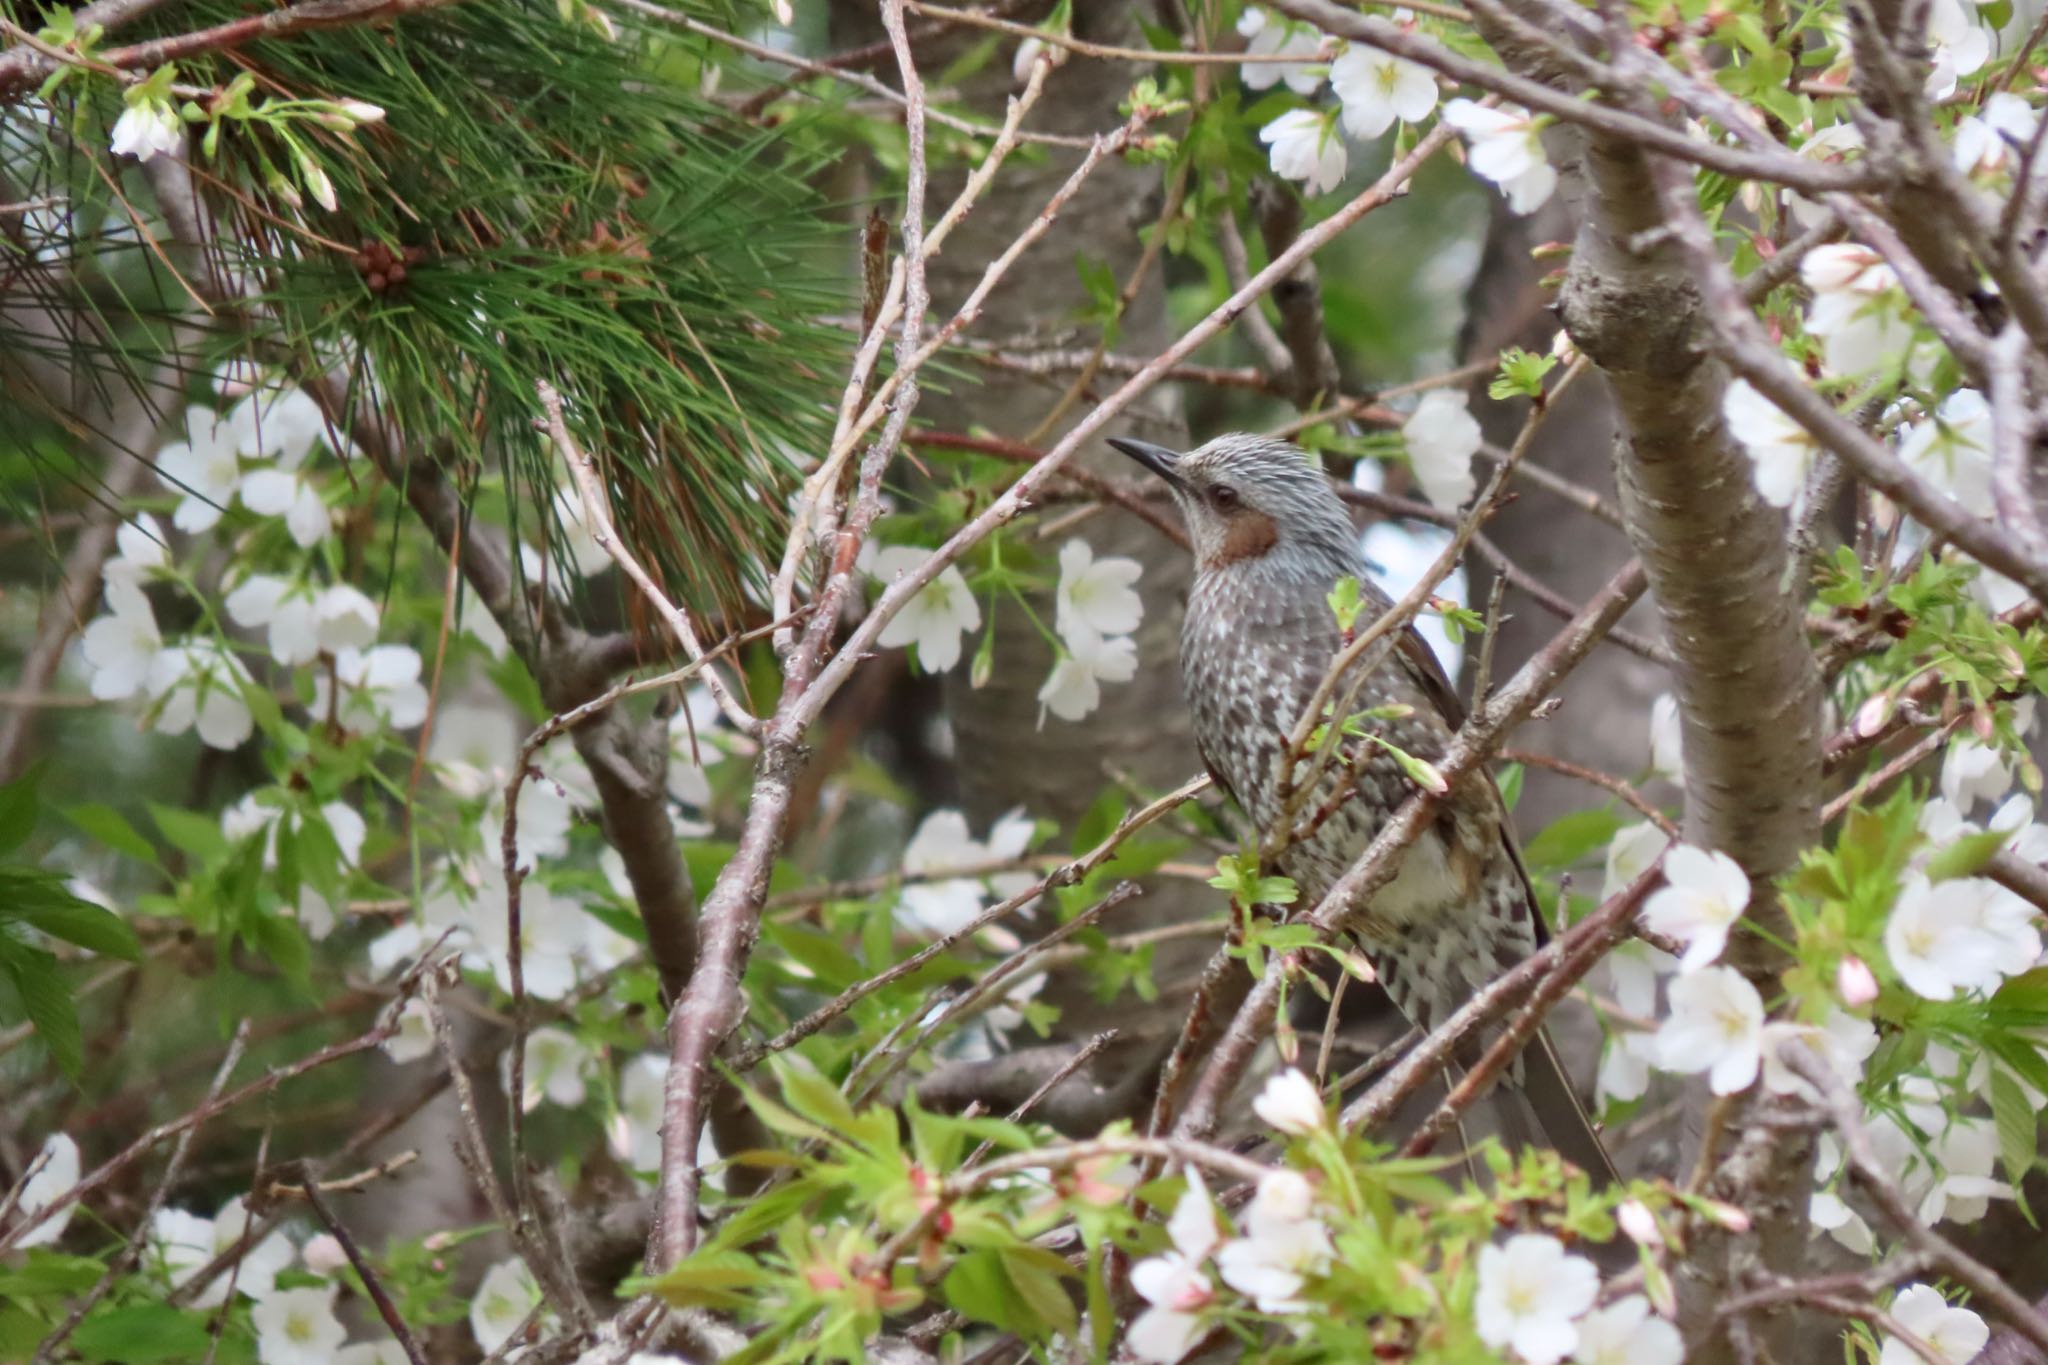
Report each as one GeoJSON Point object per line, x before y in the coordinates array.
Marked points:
{"type": "Point", "coordinates": [1271, 539]}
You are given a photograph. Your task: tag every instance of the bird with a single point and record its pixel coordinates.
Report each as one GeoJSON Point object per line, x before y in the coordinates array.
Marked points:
{"type": "Point", "coordinates": [1271, 541]}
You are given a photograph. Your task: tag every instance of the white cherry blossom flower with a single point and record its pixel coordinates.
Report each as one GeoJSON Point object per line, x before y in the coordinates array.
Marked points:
{"type": "Point", "coordinates": [1506, 148]}
{"type": "Point", "coordinates": [1441, 437]}
{"type": "Point", "coordinates": [636, 1129]}
{"type": "Point", "coordinates": [1074, 687]}
{"type": "Point", "coordinates": [292, 495]}
{"type": "Point", "coordinates": [297, 1327]}
{"type": "Point", "coordinates": [1630, 854]}
{"type": "Point", "coordinates": [942, 905]}
{"type": "Point", "coordinates": [1096, 596]}
{"type": "Point", "coordinates": [1627, 1333]}
{"type": "Point", "coordinates": [1832, 144]}
{"type": "Point", "coordinates": [1530, 1293]}
{"type": "Point", "coordinates": [1956, 1334]}
{"type": "Point", "coordinates": [1781, 452]}
{"type": "Point", "coordinates": [324, 1254]}
{"type": "Point", "coordinates": [1843, 1041]}
{"type": "Point", "coordinates": [205, 468]}
{"type": "Point", "coordinates": [2016, 817]}
{"type": "Point", "coordinates": [556, 1063]}
{"type": "Point", "coordinates": [415, 1036]}
{"type": "Point", "coordinates": [56, 1171]}
{"type": "Point", "coordinates": [142, 556]}
{"type": "Point", "coordinates": [283, 609]}
{"type": "Point", "coordinates": [1708, 892]}
{"type": "Point", "coordinates": [1965, 1155]}
{"type": "Point", "coordinates": [1953, 936]}
{"type": "Point", "coordinates": [276, 424]}
{"type": "Point", "coordinates": [1716, 1026]}
{"type": "Point", "coordinates": [1984, 142]}
{"type": "Point", "coordinates": [1291, 1103]}
{"type": "Point", "coordinates": [551, 937]}
{"type": "Point", "coordinates": [344, 617]}
{"type": "Point", "coordinates": [1667, 736]}
{"type": "Point", "coordinates": [1378, 88]}
{"type": "Point", "coordinates": [184, 1244]}
{"type": "Point", "coordinates": [1173, 1284]}
{"type": "Point", "coordinates": [147, 128]}
{"type": "Point", "coordinates": [1284, 1244]}
{"type": "Point", "coordinates": [1828, 1213]}
{"type": "Point", "coordinates": [1952, 450]}
{"type": "Point", "coordinates": [380, 685]}
{"type": "Point", "coordinates": [1960, 47]}
{"type": "Point", "coordinates": [1306, 147]}
{"type": "Point", "coordinates": [1630, 972]}
{"type": "Point", "coordinates": [1858, 309]}
{"type": "Point", "coordinates": [121, 647]}
{"type": "Point", "coordinates": [1272, 36]}
{"type": "Point", "coordinates": [199, 684]}
{"type": "Point", "coordinates": [1973, 771]}
{"type": "Point", "coordinates": [1625, 1066]}
{"type": "Point", "coordinates": [503, 1300]}
{"type": "Point", "coordinates": [1008, 838]}
{"type": "Point", "coordinates": [935, 619]}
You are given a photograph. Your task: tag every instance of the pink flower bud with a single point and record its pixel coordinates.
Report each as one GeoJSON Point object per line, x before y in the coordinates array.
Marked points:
{"type": "Point", "coordinates": [324, 1255]}
{"type": "Point", "coordinates": [1639, 1223]}
{"type": "Point", "coordinates": [1854, 982]}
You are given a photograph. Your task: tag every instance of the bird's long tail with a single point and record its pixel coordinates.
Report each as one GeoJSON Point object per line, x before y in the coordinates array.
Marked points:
{"type": "Point", "coordinates": [1548, 1092]}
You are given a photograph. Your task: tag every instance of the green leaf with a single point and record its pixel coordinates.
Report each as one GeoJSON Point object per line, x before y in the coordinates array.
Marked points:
{"type": "Point", "coordinates": [708, 1279]}
{"type": "Point", "coordinates": [1347, 601]}
{"type": "Point", "coordinates": [1013, 1289]}
{"type": "Point", "coordinates": [18, 809]}
{"type": "Point", "coordinates": [1511, 784]}
{"type": "Point", "coordinates": [50, 1274]}
{"type": "Point", "coordinates": [142, 1332]}
{"type": "Point", "coordinates": [45, 998]}
{"type": "Point", "coordinates": [81, 922]}
{"type": "Point", "coordinates": [1572, 838]}
{"type": "Point", "coordinates": [280, 940]}
{"type": "Point", "coordinates": [111, 828]}
{"type": "Point", "coordinates": [1521, 374]}
{"type": "Point", "coordinates": [1967, 855]}
{"type": "Point", "coordinates": [194, 835]}
{"type": "Point", "coordinates": [2014, 1118]}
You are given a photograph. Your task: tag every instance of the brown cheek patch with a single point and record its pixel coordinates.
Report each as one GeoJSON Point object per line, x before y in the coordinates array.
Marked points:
{"type": "Point", "coordinates": [1250, 535]}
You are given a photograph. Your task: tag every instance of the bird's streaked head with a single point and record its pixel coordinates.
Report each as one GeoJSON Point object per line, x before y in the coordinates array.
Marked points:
{"type": "Point", "coordinates": [1254, 502]}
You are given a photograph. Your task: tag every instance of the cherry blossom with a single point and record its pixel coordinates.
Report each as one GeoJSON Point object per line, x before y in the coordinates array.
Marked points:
{"type": "Point", "coordinates": [1442, 436]}
{"type": "Point", "coordinates": [1973, 771]}
{"type": "Point", "coordinates": [1074, 687]}
{"type": "Point", "coordinates": [1173, 1284]}
{"type": "Point", "coordinates": [1626, 1064]}
{"type": "Point", "coordinates": [384, 1351]}
{"type": "Point", "coordinates": [636, 1128]}
{"type": "Point", "coordinates": [1716, 1026]}
{"type": "Point", "coordinates": [1960, 47]}
{"type": "Point", "coordinates": [556, 1061]}
{"type": "Point", "coordinates": [143, 556]}
{"type": "Point", "coordinates": [942, 842]}
{"type": "Point", "coordinates": [1096, 596]}
{"type": "Point", "coordinates": [1667, 736]}
{"type": "Point", "coordinates": [1832, 144]}
{"type": "Point", "coordinates": [1964, 1156]}
{"type": "Point", "coordinates": [1631, 853]}
{"type": "Point", "coordinates": [1272, 36]}
{"type": "Point", "coordinates": [290, 494]}
{"type": "Point", "coordinates": [933, 620]}
{"type": "Point", "coordinates": [1952, 450]}
{"type": "Point", "coordinates": [380, 686]}
{"type": "Point", "coordinates": [184, 1244]}
{"type": "Point", "coordinates": [300, 622]}
{"type": "Point", "coordinates": [1842, 1041]}
{"type": "Point", "coordinates": [1284, 1243]}
{"type": "Point", "coordinates": [1530, 1292]}
{"type": "Point", "coordinates": [1627, 1333]}
{"type": "Point", "coordinates": [1506, 148]}
{"type": "Point", "coordinates": [1984, 142]}
{"type": "Point", "coordinates": [147, 128]}
{"type": "Point", "coordinates": [1291, 1103]}
{"type": "Point", "coordinates": [56, 1170]}
{"type": "Point", "coordinates": [1378, 88]}
{"type": "Point", "coordinates": [121, 647]}
{"type": "Point", "coordinates": [1958, 935]}
{"type": "Point", "coordinates": [1708, 892]}
{"type": "Point", "coordinates": [198, 683]}
{"type": "Point", "coordinates": [507, 1295]}
{"type": "Point", "coordinates": [414, 1037]}
{"type": "Point", "coordinates": [1781, 452]}
{"type": "Point", "coordinates": [1306, 147]}
{"type": "Point", "coordinates": [1956, 1334]}
{"type": "Point", "coordinates": [205, 467]}
{"type": "Point", "coordinates": [1857, 307]}
{"type": "Point", "coordinates": [297, 1327]}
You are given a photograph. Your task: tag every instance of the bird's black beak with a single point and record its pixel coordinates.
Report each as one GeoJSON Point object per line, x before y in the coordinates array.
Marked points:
{"type": "Point", "coordinates": [1158, 459]}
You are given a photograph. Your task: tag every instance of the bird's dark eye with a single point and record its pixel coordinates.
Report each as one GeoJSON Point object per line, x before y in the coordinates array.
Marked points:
{"type": "Point", "coordinates": [1223, 497]}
